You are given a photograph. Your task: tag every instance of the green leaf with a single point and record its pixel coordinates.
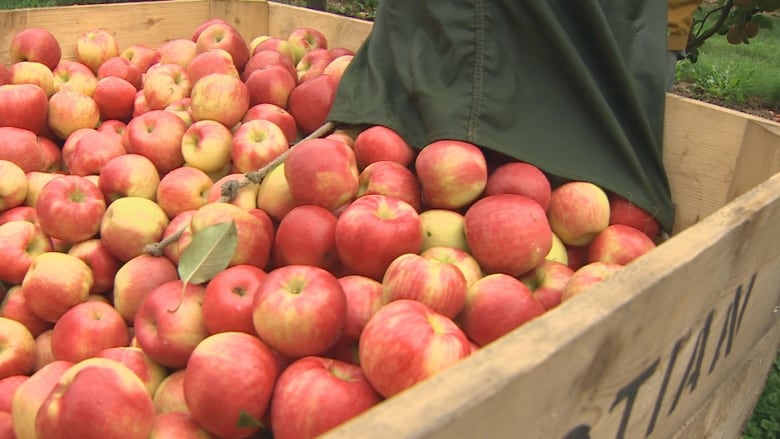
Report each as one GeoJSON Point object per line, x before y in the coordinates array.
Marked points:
{"type": "Point", "coordinates": [208, 253]}
{"type": "Point", "coordinates": [245, 420]}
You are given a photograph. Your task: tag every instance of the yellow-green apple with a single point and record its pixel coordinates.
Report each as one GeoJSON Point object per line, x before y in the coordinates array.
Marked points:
{"type": "Point", "coordinates": [438, 284]}
{"type": "Point", "coordinates": [311, 101]}
{"type": "Point", "coordinates": [211, 61]}
{"type": "Point", "coordinates": [338, 66]}
{"type": "Point", "coordinates": [136, 278]}
{"type": "Point", "coordinates": [578, 211]}
{"type": "Point", "coordinates": [177, 425]}
{"type": "Point", "coordinates": [443, 228]}
{"type": "Point", "coordinates": [507, 233]}
{"type": "Point", "coordinates": [310, 307]}
{"type": "Point", "coordinates": [179, 225]}
{"type": "Point", "coordinates": [452, 173]}
{"type": "Point", "coordinates": [181, 108]}
{"type": "Point", "coordinates": [31, 394]}
{"type": "Point", "coordinates": [267, 58]}
{"type": "Point", "coordinates": [619, 244]}
{"type": "Point", "coordinates": [33, 73]}
{"type": "Point", "coordinates": [43, 354]}
{"type": "Point", "coordinates": [558, 251]}
{"type": "Point", "coordinates": [406, 342]}
{"type": "Point", "coordinates": [70, 110]}
{"type": "Point", "coordinates": [381, 143]}
{"type": "Point", "coordinates": [141, 55]}
{"type": "Point", "coordinates": [101, 261]}
{"type": "Point", "coordinates": [276, 114]}
{"type": "Point", "coordinates": [164, 84]}
{"type": "Point", "coordinates": [304, 39]}
{"type": "Point", "coordinates": [255, 144]}
{"type": "Point", "coordinates": [86, 329]}
{"type": "Point", "coordinates": [35, 44]}
{"type": "Point", "coordinates": [547, 281]}
{"type": "Point", "coordinates": [54, 283]}
{"type": "Point", "coordinates": [322, 172]}
{"type": "Point", "coordinates": [95, 46]}
{"type": "Point", "coordinates": [128, 175]}
{"type": "Point", "coordinates": [22, 147]}
{"type": "Point", "coordinates": [115, 97]}
{"type": "Point", "coordinates": [245, 197]}
{"type": "Point", "coordinates": [307, 235]}
{"type": "Point", "coordinates": [313, 64]}
{"type": "Point", "coordinates": [169, 323]}
{"type": "Point", "coordinates": [130, 224]}
{"type": "Point", "coordinates": [123, 68]}
{"type": "Point", "coordinates": [177, 51]}
{"type": "Point", "coordinates": [460, 258]}
{"type": "Point", "coordinates": [70, 208]}
{"type": "Point", "coordinates": [13, 185]}
{"type": "Point", "coordinates": [15, 307]}
{"type": "Point", "coordinates": [254, 242]}
{"type": "Point", "coordinates": [21, 241]}
{"type": "Point", "coordinates": [88, 154]}
{"type": "Point", "coordinates": [495, 305]}
{"type": "Point", "coordinates": [267, 42]}
{"type": "Point", "coordinates": [589, 274]}
{"type": "Point", "coordinates": [181, 189]}
{"type": "Point", "coordinates": [151, 372]}
{"type": "Point", "coordinates": [206, 145]}
{"type": "Point", "coordinates": [228, 299]}
{"type": "Point", "coordinates": [17, 348]}
{"type": "Point", "coordinates": [221, 369]}
{"type": "Point", "coordinates": [169, 395]}
{"type": "Point", "coordinates": [19, 213]}
{"type": "Point", "coordinates": [364, 298]}
{"type": "Point", "coordinates": [520, 178]}
{"type": "Point", "coordinates": [224, 36]}
{"type": "Point", "coordinates": [8, 386]}
{"type": "Point", "coordinates": [274, 196]}
{"type": "Point", "coordinates": [270, 84]}
{"type": "Point", "coordinates": [157, 135]}
{"type": "Point", "coordinates": [623, 211]}
{"type": "Point", "coordinates": [24, 106]}
{"type": "Point", "coordinates": [373, 230]}
{"type": "Point", "coordinates": [315, 394]}
{"type": "Point", "coordinates": [220, 97]}
{"type": "Point", "coordinates": [74, 75]}
{"type": "Point", "coordinates": [123, 409]}
{"type": "Point", "coordinates": [392, 179]}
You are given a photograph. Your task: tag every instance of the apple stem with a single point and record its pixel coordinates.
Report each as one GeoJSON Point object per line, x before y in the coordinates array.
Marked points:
{"type": "Point", "coordinates": [157, 248]}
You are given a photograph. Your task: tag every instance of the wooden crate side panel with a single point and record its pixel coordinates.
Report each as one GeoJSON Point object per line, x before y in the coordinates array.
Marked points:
{"type": "Point", "coordinates": [250, 17]}
{"type": "Point", "coordinates": [759, 156]}
{"type": "Point", "coordinates": [340, 31]}
{"type": "Point", "coordinates": [149, 23]}
{"type": "Point", "coordinates": [636, 356]}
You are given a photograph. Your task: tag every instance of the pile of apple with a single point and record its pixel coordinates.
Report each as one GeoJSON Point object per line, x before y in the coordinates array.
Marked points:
{"type": "Point", "coordinates": [356, 268]}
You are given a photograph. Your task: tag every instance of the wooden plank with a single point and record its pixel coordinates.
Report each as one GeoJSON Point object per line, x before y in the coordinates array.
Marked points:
{"type": "Point", "coordinates": [250, 17]}
{"type": "Point", "coordinates": [340, 31]}
{"type": "Point", "coordinates": [636, 356]}
{"type": "Point", "coordinates": [759, 156]}
{"type": "Point", "coordinates": [149, 23]}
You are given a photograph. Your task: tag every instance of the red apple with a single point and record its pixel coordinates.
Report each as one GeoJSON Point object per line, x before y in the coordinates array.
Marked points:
{"type": "Point", "coordinates": [547, 281]}
{"type": "Point", "coordinates": [309, 308]}
{"type": "Point", "coordinates": [374, 230]}
{"type": "Point", "coordinates": [70, 208]}
{"type": "Point", "coordinates": [24, 106]}
{"type": "Point", "coordinates": [182, 108]}
{"type": "Point", "coordinates": [392, 179]}
{"type": "Point", "coordinates": [130, 224]}
{"type": "Point", "coordinates": [587, 275]}
{"type": "Point", "coordinates": [520, 178]}
{"type": "Point", "coordinates": [89, 153]}
{"type": "Point", "coordinates": [322, 172]}
{"type": "Point", "coordinates": [219, 97]}
{"type": "Point", "coordinates": [70, 110]}
{"type": "Point", "coordinates": [255, 144]}
{"type": "Point", "coordinates": [75, 76]}
{"type": "Point", "coordinates": [169, 323]}
{"type": "Point", "coordinates": [19, 213]}
{"type": "Point", "coordinates": [276, 114]}
{"type": "Point", "coordinates": [141, 55]}
{"type": "Point", "coordinates": [22, 147]}
{"type": "Point", "coordinates": [221, 35]}
{"type": "Point", "coordinates": [313, 63]}
{"type": "Point", "coordinates": [128, 175]}
{"type": "Point", "coordinates": [507, 233]}
{"type": "Point", "coordinates": [56, 282]}
{"type": "Point", "coordinates": [32, 73]}
{"type": "Point", "coordinates": [623, 211]}
{"type": "Point", "coordinates": [113, 127]}
{"type": "Point", "coordinates": [273, 194]}
{"type": "Point", "coordinates": [496, 304]}
{"type": "Point", "coordinates": [245, 197]}
{"type": "Point", "coordinates": [123, 68]}
{"type": "Point", "coordinates": [149, 371]}
{"type": "Point", "coordinates": [311, 101]}
{"type": "Point", "coordinates": [394, 359]}
{"type": "Point", "coordinates": [17, 349]}
{"type": "Point", "coordinates": [378, 143]}
{"type": "Point", "coordinates": [179, 51]}
{"type": "Point", "coordinates": [304, 39]}
{"type": "Point", "coordinates": [169, 395]}
{"type": "Point", "coordinates": [578, 211]}
{"type": "Point", "coordinates": [8, 386]}
{"type": "Point", "coordinates": [306, 235]}
{"type": "Point", "coordinates": [203, 25]}
{"type": "Point", "coordinates": [270, 84]}
{"type": "Point", "coordinates": [183, 189]}
{"type": "Point", "coordinates": [619, 244]}
{"type": "Point", "coordinates": [115, 97]}
{"type": "Point", "coordinates": [21, 242]}
{"type": "Point", "coordinates": [43, 354]}
{"type": "Point", "coordinates": [338, 66]}
{"type": "Point", "coordinates": [124, 410]}
{"type": "Point", "coordinates": [35, 44]}
{"type": "Point", "coordinates": [228, 299]}
{"type": "Point", "coordinates": [267, 58]}
{"type": "Point", "coordinates": [364, 298]}
{"type": "Point", "coordinates": [179, 225]}
{"type": "Point", "coordinates": [164, 84]}
{"type": "Point", "coordinates": [157, 135]}
{"type": "Point", "coordinates": [31, 394]}
{"type": "Point", "coordinates": [267, 42]}
{"type": "Point", "coordinates": [315, 394]}
{"type": "Point", "coordinates": [177, 425]}
{"type": "Point", "coordinates": [211, 61]}
{"type": "Point", "coordinates": [94, 47]}
{"type": "Point", "coordinates": [86, 329]}
{"type": "Point", "coordinates": [15, 307]}
{"type": "Point", "coordinates": [460, 258]}
{"type": "Point", "coordinates": [452, 173]}
{"type": "Point", "coordinates": [136, 278]}
{"type": "Point", "coordinates": [101, 261]}
{"type": "Point", "coordinates": [576, 256]}
{"type": "Point", "coordinates": [254, 243]}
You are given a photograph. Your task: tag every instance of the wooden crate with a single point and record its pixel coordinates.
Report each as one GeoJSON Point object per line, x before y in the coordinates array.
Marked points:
{"type": "Point", "coordinates": [677, 344]}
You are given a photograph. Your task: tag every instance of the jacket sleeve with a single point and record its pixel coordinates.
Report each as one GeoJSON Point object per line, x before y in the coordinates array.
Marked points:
{"type": "Point", "coordinates": [680, 19]}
